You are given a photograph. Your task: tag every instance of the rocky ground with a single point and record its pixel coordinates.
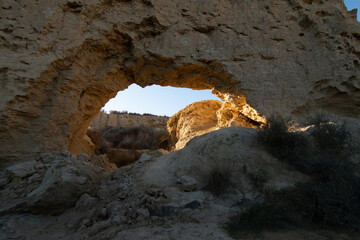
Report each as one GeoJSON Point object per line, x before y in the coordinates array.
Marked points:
{"type": "Point", "coordinates": [61, 196]}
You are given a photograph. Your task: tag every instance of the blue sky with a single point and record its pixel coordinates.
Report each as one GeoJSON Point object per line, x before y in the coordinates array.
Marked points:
{"type": "Point", "coordinates": [156, 99]}
{"type": "Point", "coordinates": [351, 4]}
{"type": "Point", "coordinates": [168, 100]}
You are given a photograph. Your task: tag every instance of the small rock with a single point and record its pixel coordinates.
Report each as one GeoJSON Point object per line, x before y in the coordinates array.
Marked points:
{"type": "Point", "coordinates": [21, 170]}
{"type": "Point", "coordinates": [188, 184]}
{"type": "Point", "coordinates": [159, 153]}
{"type": "Point", "coordinates": [3, 179]}
{"type": "Point", "coordinates": [85, 202]}
{"type": "Point", "coordinates": [113, 207]}
{"type": "Point", "coordinates": [192, 205]}
{"type": "Point", "coordinates": [154, 191]}
{"type": "Point", "coordinates": [103, 213]}
{"type": "Point", "coordinates": [118, 219]}
{"type": "Point", "coordinates": [81, 180]}
{"type": "Point", "coordinates": [121, 195]}
{"type": "Point", "coordinates": [86, 222]}
{"type": "Point", "coordinates": [162, 211]}
{"type": "Point", "coordinates": [144, 158]}
{"type": "Point", "coordinates": [143, 213]}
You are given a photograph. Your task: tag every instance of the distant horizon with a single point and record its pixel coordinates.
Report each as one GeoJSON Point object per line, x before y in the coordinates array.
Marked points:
{"type": "Point", "coordinates": [166, 101]}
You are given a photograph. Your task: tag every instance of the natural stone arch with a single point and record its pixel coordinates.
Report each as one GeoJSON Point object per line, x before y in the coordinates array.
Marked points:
{"type": "Point", "coordinates": [69, 97]}
{"type": "Point", "coordinates": [147, 72]}
{"type": "Point", "coordinates": [62, 60]}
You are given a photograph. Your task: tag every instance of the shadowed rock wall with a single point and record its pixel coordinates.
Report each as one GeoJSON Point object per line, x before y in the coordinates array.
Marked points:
{"type": "Point", "coordinates": [62, 60]}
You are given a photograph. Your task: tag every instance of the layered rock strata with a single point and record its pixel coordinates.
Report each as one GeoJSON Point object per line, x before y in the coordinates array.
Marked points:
{"type": "Point", "coordinates": [105, 120]}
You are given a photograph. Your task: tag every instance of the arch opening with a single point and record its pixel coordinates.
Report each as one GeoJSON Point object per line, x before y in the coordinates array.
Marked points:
{"type": "Point", "coordinates": [70, 93]}
{"type": "Point", "coordinates": [133, 123]}
{"type": "Point", "coordinates": [156, 100]}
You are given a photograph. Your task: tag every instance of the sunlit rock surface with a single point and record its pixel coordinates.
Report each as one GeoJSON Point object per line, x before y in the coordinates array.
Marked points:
{"type": "Point", "coordinates": [61, 60]}
{"type": "Point", "coordinates": [203, 117]}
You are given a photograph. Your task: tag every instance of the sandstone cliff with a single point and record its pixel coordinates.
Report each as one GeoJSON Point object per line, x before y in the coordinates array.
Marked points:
{"type": "Point", "coordinates": [62, 60]}
{"type": "Point", "coordinates": [104, 120]}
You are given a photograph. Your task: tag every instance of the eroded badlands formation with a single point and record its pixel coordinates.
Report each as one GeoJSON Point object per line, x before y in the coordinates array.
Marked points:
{"type": "Point", "coordinates": [62, 60]}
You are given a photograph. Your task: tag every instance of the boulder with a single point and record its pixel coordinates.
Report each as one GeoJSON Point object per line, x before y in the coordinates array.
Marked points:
{"type": "Point", "coordinates": [62, 185]}
{"type": "Point", "coordinates": [188, 184]}
{"type": "Point", "coordinates": [53, 183]}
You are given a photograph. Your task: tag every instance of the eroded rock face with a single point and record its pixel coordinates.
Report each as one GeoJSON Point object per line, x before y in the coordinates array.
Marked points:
{"type": "Point", "coordinates": [203, 117]}
{"type": "Point", "coordinates": [62, 60]}
{"type": "Point", "coordinates": [104, 120]}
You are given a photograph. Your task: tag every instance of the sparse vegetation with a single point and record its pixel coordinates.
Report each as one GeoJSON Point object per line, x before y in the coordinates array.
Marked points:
{"type": "Point", "coordinates": [280, 142]}
{"type": "Point", "coordinates": [330, 199]}
{"type": "Point", "coordinates": [124, 145]}
{"type": "Point", "coordinates": [258, 179]}
{"type": "Point", "coordinates": [331, 138]}
{"type": "Point", "coordinates": [132, 113]}
{"type": "Point", "coordinates": [218, 181]}
{"type": "Point", "coordinates": [258, 217]}
{"type": "Point", "coordinates": [133, 137]}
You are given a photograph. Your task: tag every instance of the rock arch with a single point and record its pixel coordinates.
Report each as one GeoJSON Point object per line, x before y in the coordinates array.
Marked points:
{"type": "Point", "coordinates": [62, 60]}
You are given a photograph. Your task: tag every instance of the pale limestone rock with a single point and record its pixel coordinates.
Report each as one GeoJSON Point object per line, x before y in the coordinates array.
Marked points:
{"type": "Point", "coordinates": [61, 61]}
{"type": "Point", "coordinates": [188, 184]}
